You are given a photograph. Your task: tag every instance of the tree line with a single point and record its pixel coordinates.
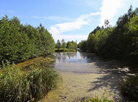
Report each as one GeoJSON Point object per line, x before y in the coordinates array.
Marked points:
{"type": "Point", "coordinates": [117, 42]}
{"type": "Point", "coordinates": [19, 42]}
{"type": "Point", "coordinates": [70, 45]}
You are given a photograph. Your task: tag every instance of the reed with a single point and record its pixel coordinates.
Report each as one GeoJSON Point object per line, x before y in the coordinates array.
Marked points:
{"type": "Point", "coordinates": [22, 86]}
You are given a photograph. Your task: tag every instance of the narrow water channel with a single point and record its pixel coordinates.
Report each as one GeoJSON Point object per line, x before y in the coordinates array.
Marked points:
{"type": "Point", "coordinates": [84, 75]}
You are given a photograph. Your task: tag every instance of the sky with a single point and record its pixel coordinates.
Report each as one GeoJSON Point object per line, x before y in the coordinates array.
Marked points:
{"type": "Point", "coordinates": [66, 19]}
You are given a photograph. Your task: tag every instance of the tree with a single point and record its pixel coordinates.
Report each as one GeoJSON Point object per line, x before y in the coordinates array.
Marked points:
{"type": "Point", "coordinates": [58, 44]}
{"type": "Point", "coordinates": [83, 45]}
{"type": "Point", "coordinates": [118, 42]}
{"type": "Point", "coordinates": [63, 44]}
{"type": "Point", "coordinates": [20, 42]}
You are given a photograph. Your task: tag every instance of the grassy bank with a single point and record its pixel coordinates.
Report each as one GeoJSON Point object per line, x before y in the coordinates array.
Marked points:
{"type": "Point", "coordinates": [65, 50]}
{"type": "Point", "coordinates": [28, 83]}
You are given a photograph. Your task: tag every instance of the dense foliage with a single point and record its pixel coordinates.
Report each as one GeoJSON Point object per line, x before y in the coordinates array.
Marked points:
{"type": "Point", "coordinates": [69, 46]}
{"type": "Point", "coordinates": [129, 88]}
{"type": "Point", "coordinates": [119, 42]}
{"type": "Point", "coordinates": [83, 45]}
{"type": "Point", "coordinates": [17, 85]}
{"type": "Point", "coordinates": [20, 42]}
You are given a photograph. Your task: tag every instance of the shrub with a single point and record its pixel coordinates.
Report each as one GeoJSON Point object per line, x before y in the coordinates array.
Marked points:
{"type": "Point", "coordinates": [22, 86]}
{"type": "Point", "coordinates": [129, 88]}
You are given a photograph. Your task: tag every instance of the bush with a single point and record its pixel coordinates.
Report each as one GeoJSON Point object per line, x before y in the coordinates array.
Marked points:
{"type": "Point", "coordinates": [21, 86]}
{"type": "Point", "coordinates": [129, 88]}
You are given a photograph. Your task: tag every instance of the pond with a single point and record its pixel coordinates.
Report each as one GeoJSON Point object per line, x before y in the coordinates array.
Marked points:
{"type": "Point", "coordinates": [84, 75]}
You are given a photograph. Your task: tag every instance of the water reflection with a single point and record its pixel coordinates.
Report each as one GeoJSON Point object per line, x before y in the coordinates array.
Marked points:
{"type": "Point", "coordinates": [76, 62]}
{"type": "Point", "coordinates": [74, 57]}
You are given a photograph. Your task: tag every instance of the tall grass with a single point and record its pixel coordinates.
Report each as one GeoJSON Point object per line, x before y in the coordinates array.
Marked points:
{"type": "Point", "coordinates": [22, 86]}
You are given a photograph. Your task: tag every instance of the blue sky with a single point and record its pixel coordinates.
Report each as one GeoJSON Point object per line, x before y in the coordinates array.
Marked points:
{"type": "Point", "coordinates": [66, 19]}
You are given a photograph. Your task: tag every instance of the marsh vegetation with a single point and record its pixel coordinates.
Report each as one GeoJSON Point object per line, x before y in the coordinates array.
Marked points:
{"type": "Point", "coordinates": [28, 83]}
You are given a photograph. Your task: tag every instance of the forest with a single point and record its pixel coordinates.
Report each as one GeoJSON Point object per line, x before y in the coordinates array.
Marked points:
{"type": "Point", "coordinates": [20, 42]}
{"type": "Point", "coordinates": [115, 42]}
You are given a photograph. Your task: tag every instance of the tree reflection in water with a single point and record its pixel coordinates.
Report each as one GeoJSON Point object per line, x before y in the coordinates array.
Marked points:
{"type": "Point", "coordinates": [74, 57]}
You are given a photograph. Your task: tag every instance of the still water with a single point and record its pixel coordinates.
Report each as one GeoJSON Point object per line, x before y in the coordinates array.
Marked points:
{"type": "Point", "coordinates": [76, 62]}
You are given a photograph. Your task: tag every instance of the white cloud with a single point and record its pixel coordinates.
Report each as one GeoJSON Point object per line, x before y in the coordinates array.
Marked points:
{"type": "Point", "coordinates": [57, 30]}
{"type": "Point", "coordinates": [110, 8]}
